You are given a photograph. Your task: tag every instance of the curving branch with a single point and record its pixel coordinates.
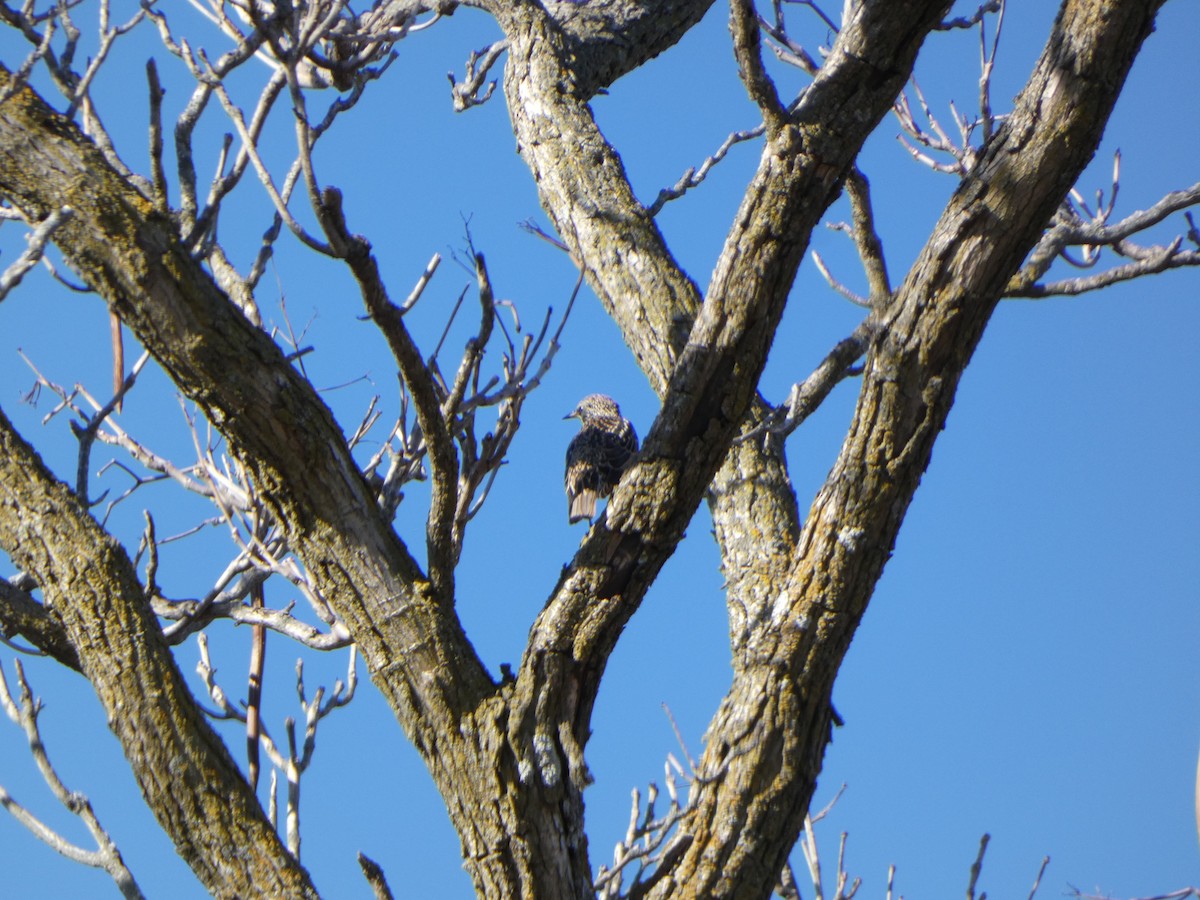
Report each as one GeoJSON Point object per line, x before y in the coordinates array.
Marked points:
{"type": "Point", "coordinates": [65, 550]}
{"type": "Point", "coordinates": [866, 241]}
{"type": "Point", "coordinates": [1076, 226]}
{"type": "Point", "coordinates": [21, 614]}
{"type": "Point", "coordinates": [595, 213]}
{"type": "Point", "coordinates": [743, 25]}
{"type": "Point", "coordinates": [927, 336]}
{"type": "Point", "coordinates": [465, 93]}
{"type": "Point", "coordinates": [38, 239]}
{"type": "Point", "coordinates": [23, 711]}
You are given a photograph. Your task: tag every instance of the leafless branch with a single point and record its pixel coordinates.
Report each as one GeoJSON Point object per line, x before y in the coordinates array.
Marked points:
{"type": "Point", "coordinates": [465, 93]}
{"type": "Point", "coordinates": [788, 889]}
{"type": "Point", "coordinates": [839, 287]}
{"type": "Point", "coordinates": [421, 284]}
{"type": "Point", "coordinates": [310, 44]}
{"type": "Point", "coordinates": [1077, 225]}
{"type": "Point", "coordinates": [251, 525]}
{"type": "Point", "coordinates": [37, 240]}
{"type": "Point", "coordinates": [743, 23]}
{"type": "Point", "coordinates": [72, 84]}
{"type": "Point", "coordinates": [278, 198]}
{"type": "Point", "coordinates": [375, 877]}
{"type": "Point", "coordinates": [806, 396]}
{"type": "Point", "coordinates": [977, 866]}
{"type": "Point", "coordinates": [933, 137]}
{"type": "Point", "coordinates": [158, 178]}
{"type": "Point", "coordinates": [925, 142]}
{"type": "Point", "coordinates": [417, 375]}
{"type": "Point", "coordinates": [972, 20]}
{"type": "Point", "coordinates": [844, 889]}
{"type": "Point", "coordinates": [693, 177]}
{"type": "Point", "coordinates": [21, 614]}
{"type": "Point", "coordinates": [107, 36]}
{"type": "Point", "coordinates": [20, 75]}
{"type": "Point", "coordinates": [649, 841]}
{"type": "Point", "coordinates": [23, 711]}
{"type": "Point", "coordinates": [866, 238]}
{"type": "Point", "coordinates": [1038, 880]}
{"type": "Point", "coordinates": [298, 756]}
{"type": "Point", "coordinates": [94, 420]}
{"type": "Point", "coordinates": [87, 434]}
{"type": "Point", "coordinates": [679, 738]}
{"type": "Point", "coordinates": [190, 616]}
{"type": "Point", "coordinates": [258, 652]}
{"type": "Point", "coordinates": [785, 49]}
{"type": "Point", "coordinates": [987, 60]}
{"type": "Point", "coordinates": [1168, 257]}
{"type": "Point", "coordinates": [447, 413]}
{"type": "Point", "coordinates": [825, 19]}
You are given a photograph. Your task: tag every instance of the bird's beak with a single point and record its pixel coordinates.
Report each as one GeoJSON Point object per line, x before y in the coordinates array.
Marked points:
{"type": "Point", "coordinates": [571, 415]}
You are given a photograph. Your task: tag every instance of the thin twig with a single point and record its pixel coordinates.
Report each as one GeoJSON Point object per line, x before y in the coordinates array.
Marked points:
{"type": "Point", "coordinates": [37, 240]}
{"type": "Point", "coordinates": [977, 866]}
{"type": "Point", "coordinates": [23, 711]}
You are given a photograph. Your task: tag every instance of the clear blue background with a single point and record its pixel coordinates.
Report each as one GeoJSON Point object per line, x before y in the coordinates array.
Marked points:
{"type": "Point", "coordinates": [1027, 666]}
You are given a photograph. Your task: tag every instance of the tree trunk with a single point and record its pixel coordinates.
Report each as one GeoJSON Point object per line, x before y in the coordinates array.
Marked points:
{"type": "Point", "coordinates": [509, 758]}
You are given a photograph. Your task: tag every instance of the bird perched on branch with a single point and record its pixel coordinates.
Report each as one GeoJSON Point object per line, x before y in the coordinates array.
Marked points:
{"type": "Point", "coordinates": [598, 455]}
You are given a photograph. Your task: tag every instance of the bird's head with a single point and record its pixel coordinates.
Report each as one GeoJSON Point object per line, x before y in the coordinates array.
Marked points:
{"type": "Point", "coordinates": [595, 406]}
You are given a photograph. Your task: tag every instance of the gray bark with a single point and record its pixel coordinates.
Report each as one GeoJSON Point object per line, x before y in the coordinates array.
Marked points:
{"type": "Point", "coordinates": [509, 758]}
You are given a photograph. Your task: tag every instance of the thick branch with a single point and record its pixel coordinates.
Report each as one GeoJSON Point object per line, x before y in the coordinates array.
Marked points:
{"type": "Point", "coordinates": [866, 238]}
{"type": "Point", "coordinates": [747, 47]}
{"type": "Point", "coordinates": [417, 376]}
{"type": "Point", "coordinates": [708, 378]}
{"type": "Point", "coordinates": [610, 39]}
{"type": "Point", "coordinates": [296, 456]}
{"type": "Point", "coordinates": [184, 771]}
{"type": "Point", "coordinates": [927, 338]}
{"type": "Point", "coordinates": [41, 626]}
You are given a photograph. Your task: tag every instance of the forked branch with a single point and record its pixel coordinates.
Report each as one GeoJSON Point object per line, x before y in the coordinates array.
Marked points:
{"type": "Point", "coordinates": [23, 710]}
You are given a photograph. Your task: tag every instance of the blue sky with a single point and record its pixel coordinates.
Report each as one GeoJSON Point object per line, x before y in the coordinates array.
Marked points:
{"type": "Point", "coordinates": [1026, 665]}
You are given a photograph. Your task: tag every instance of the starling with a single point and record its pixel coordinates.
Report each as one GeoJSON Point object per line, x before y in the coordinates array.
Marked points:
{"type": "Point", "coordinates": [598, 455]}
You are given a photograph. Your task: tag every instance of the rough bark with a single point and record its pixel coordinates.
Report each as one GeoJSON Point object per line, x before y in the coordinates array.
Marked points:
{"type": "Point", "coordinates": [508, 758]}
{"type": "Point", "coordinates": [778, 708]}
{"type": "Point", "coordinates": [413, 644]}
{"type": "Point", "coordinates": [182, 767]}
{"type": "Point", "coordinates": [766, 742]}
{"type": "Point", "coordinates": [708, 382]}
{"type": "Point", "coordinates": [21, 615]}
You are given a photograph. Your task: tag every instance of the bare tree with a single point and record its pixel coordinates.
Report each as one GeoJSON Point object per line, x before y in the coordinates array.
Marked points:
{"type": "Point", "coordinates": [507, 754]}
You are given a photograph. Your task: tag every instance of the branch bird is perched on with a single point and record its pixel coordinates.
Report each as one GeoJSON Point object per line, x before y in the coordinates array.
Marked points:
{"type": "Point", "coordinates": [598, 455]}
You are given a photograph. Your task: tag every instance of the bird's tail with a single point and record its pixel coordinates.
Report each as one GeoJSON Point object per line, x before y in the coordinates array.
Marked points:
{"type": "Point", "coordinates": [583, 506]}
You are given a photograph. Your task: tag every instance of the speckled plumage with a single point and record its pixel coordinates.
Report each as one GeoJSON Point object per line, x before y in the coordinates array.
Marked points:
{"type": "Point", "coordinates": [598, 455]}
